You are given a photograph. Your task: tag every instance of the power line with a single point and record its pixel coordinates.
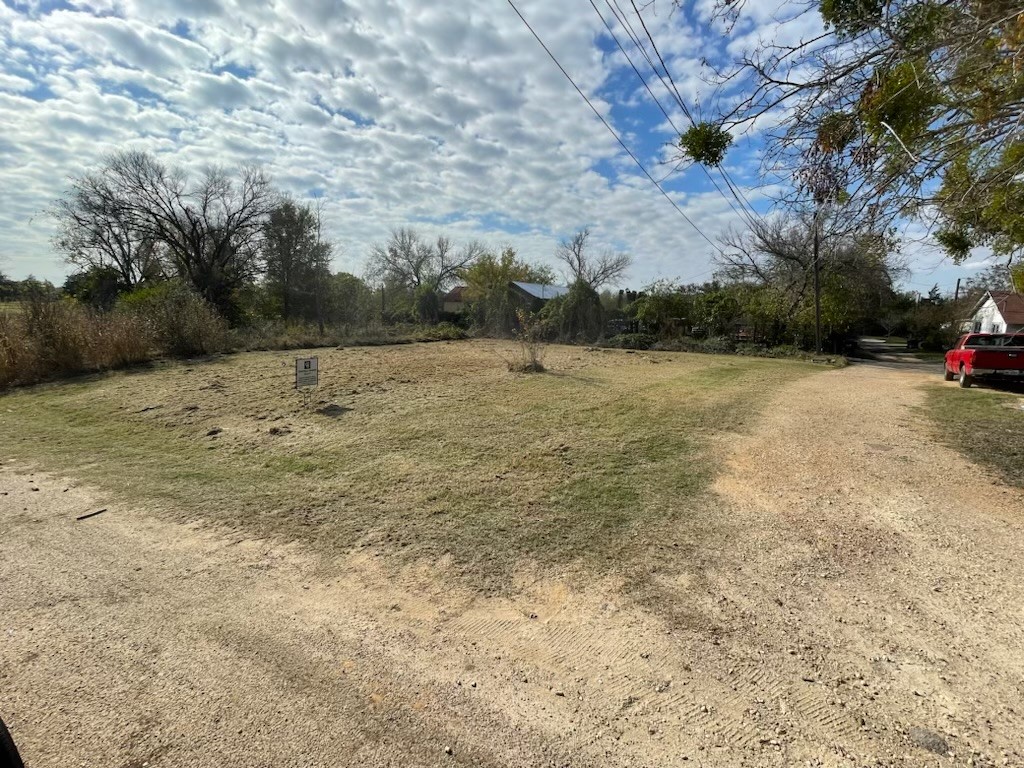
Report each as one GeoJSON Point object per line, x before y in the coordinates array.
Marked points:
{"type": "Point", "coordinates": [620, 16]}
{"type": "Point", "coordinates": [637, 71]}
{"type": "Point", "coordinates": [673, 91]}
{"type": "Point", "coordinates": [741, 212]}
{"type": "Point", "coordinates": [610, 129]}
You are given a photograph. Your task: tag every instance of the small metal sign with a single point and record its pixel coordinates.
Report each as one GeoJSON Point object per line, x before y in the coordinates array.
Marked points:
{"type": "Point", "coordinates": [307, 372]}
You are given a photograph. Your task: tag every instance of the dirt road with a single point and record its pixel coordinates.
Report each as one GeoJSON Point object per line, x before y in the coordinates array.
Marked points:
{"type": "Point", "coordinates": [860, 605]}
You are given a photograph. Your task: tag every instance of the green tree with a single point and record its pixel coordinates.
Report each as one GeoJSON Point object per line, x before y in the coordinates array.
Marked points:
{"type": "Point", "coordinates": [349, 300]}
{"type": "Point", "coordinates": [857, 270]}
{"type": "Point", "coordinates": [296, 259]}
{"type": "Point", "coordinates": [575, 317]}
{"type": "Point", "coordinates": [98, 287]}
{"type": "Point", "coordinates": [908, 107]}
{"type": "Point", "coordinates": [487, 288]}
{"type": "Point", "coordinates": [716, 310]}
{"type": "Point", "coordinates": [665, 308]}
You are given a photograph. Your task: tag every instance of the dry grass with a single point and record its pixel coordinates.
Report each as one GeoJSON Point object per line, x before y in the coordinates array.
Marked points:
{"type": "Point", "coordinates": [431, 451]}
{"type": "Point", "coordinates": [50, 339]}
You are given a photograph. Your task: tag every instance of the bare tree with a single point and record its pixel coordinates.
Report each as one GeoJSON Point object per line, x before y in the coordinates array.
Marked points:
{"type": "Point", "coordinates": [407, 259]}
{"type": "Point", "coordinates": [209, 230]}
{"type": "Point", "coordinates": [583, 266]}
{"type": "Point", "coordinates": [97, 228]}
{"type": "Point", "coordinates": [451, 262]}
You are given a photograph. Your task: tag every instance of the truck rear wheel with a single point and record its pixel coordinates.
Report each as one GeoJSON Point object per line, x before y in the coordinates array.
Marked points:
{"type": "Point", "coordinates": [965, 380]}
{"type": "Point", "coordinates": [947, 374]}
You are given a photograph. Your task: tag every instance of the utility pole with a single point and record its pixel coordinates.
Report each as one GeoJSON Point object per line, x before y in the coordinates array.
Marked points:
{"type": "Point", "coordinates": [817, 283]}
{"type": "Point", "coordinates": [956, 296]}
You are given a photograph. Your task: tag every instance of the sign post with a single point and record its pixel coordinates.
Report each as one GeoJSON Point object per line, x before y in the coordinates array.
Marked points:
{"type": "Point", "coordinates": [307, 376]}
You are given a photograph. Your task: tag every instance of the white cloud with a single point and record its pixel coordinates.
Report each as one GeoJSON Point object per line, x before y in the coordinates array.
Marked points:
{"type": "Point", "coordinates": [395, 111]}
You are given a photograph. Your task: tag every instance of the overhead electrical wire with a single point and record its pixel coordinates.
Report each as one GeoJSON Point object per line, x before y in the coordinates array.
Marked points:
{"type": "Point", "coordinates": [738, 211]}
{"type": "Point", "coordinates": [611, 130]}
{"type": "Point", "coordinates": [673, 91]}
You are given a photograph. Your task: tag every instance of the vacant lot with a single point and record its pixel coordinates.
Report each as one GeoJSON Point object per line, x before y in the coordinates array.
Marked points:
{"type": "Point", "coordinates": [427, 451]}
{"type": "Point", "coordinates": [638, 559]}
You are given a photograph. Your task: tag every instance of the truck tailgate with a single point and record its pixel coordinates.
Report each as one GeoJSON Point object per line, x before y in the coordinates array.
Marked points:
{"type": "Point", "coordinates": [1011, 358]}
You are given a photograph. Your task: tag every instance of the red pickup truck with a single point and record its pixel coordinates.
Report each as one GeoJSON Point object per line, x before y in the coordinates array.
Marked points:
{"type": "Point", "coordinates": [989, 355]}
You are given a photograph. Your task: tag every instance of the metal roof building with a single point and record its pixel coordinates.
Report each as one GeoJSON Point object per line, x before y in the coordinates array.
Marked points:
{"type": "Point", "coordinates": [541, 291]}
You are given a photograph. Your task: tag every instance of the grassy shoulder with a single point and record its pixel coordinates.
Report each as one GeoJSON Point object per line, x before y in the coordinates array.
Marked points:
{"type": "Point", "coordinates": [985, 426]}
{"type": "Point", "coordinates": [432, 451]}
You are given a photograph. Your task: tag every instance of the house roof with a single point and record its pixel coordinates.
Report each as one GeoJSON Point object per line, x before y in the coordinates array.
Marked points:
{"type": "Point", "coordinates": [1010, 306]}
{"type": "Point", "coordinates": [455, 294]}
{"type": "Point", "coordinates": [541, 291]}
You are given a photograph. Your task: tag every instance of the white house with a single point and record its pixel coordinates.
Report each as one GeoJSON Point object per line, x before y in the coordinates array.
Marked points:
{"type": "Point", "coordinates": [997, 312]}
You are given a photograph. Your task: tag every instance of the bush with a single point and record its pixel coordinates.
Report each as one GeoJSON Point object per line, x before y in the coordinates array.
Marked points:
{"type": "Point", "coordinates": [786, 350]}
{"type": "Point", "coordinates": [752, 350]}
{"type": "Point", "coordinates": [631, 341]}
{"type": "Point", "coordinates": [58, 331]}
{"type": "Point", "coordinates": [441, 332]}
{"type": "Point", "coordinates": [718, 345]}
{"type": "Point", "coordinates": [532, 344]}
{"type": "Point", "coordinates": [120, 339]}
{"type": "Point", "coordinates": [19, 360]}
{"type": "Point", "coordinates": [183, 324]}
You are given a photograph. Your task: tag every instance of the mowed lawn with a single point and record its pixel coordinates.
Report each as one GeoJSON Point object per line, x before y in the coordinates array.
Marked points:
{"type": "Point", "coordinates": [421, 451]}
{"type": "Point", "coordinates": [985, 426]}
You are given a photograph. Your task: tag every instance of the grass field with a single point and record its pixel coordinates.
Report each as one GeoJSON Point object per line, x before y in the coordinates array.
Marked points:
{"type": "Point", "coordinates": [986, 426]}
{"type": "Point", "coordinates": [430, 451]}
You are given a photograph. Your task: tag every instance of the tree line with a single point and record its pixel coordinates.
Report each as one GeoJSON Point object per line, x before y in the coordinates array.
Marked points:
{"type": "Point", "coordinates": [134, 225]}
{"type": "Point", "coordinates": [254, 254]}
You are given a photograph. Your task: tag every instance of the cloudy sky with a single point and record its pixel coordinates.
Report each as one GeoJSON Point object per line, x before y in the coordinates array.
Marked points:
{"type": "Point", "coordinates": [446, 116]}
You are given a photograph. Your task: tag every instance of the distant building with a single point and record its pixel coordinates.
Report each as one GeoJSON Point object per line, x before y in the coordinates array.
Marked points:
{"type": "Point", "coordinates": [454, 302]}
{"type": "Point", "coordinates": [997, 312]}
{"type": "Point", "coordinates": [533, 296]}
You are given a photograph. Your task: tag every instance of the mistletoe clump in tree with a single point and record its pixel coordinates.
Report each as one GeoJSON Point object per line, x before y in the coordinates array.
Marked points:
{"type": "Point", "coordinates": [897, 108]}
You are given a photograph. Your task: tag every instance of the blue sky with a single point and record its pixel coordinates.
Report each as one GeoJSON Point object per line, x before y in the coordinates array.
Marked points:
{"type": "Point", "coordinates": [446, 116]}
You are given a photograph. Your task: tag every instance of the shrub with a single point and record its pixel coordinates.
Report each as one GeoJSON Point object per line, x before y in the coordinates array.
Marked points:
{"type": "Point", "coordinates": [183, 323]}
{"type": "Point", "coordinates": [58, 330]}
{"type": "Point", "coordinates": [631, 341]}
{"type": "Point", "coordinates": [719, 345]}
{"type": "Point", "coordinates": [19, 360]}
{"type": "Point", "coordinates": [786, 350]}
{"type": "Point", "coordinates": [441, 332]}
{"type": "Point", "coordinates": [532, 344]}
{"type": "Point", "coordinates": [119, 339]}
{"type": "Point", "coordinates": [752, 350]}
